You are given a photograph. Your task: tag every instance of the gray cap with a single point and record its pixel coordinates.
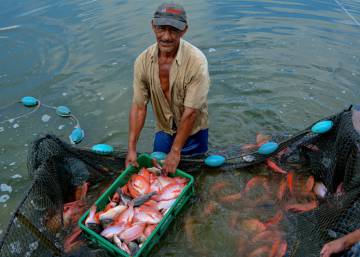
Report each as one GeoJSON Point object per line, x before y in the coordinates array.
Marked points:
{"type": "Point", "coordinates": [170, 14]}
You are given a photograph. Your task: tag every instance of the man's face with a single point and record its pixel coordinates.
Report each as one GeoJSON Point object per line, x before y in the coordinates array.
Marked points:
{"type": "Point", "coordinates": [168, 37]}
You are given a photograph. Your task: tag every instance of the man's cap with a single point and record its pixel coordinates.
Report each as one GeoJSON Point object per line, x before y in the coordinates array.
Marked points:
{"type": "Point", "coordinates": [170, 14]}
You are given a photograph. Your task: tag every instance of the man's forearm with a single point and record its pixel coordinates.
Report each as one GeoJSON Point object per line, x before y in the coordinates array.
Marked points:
{"type": "Point", "coordinates": [352, 238]}
{"type": "Point", "coordinates": [186, 125]}
{"type": "Point", "coordinates": [136, 123]}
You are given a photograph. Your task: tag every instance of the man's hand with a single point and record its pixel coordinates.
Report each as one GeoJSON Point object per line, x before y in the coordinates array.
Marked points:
{"type": "Point", "coordinates": [333, 247]}
{"type": "Point", "coordinates": [171, 162]}
{"type": "Point", "coordinates": [131, 158]}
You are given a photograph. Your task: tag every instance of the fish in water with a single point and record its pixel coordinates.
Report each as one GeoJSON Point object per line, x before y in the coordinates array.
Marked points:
{"type": "Point", "coordinates": [210, 208]}
{"type": "Point", "coordinates": [257, 180]}
{"type": "Point", "coordinates": [272, 165]}
{"type": "Point", "coordinates": [72, 241]}
{"type": "Point", "coordinates": [254, 226]}
{"type": "Point", "coordinates": [278, 249]}
{"type": "Point", "coordinates": [81, 191]}
{"type": "Point", "coordinates": [301, 207]}
{"type": "Point", "coordinates": [267, 235]}
{"type": "Point", "coordinates": [217, 186]}
{"type": "Point", "coordinates": [230, 198]}
{"type": "Point", "coordinates": [72, 212]}
{"type": "Point", "coordinates": [274, 220]}
{"type": "Point", "coordinates": [233, 219]}
{"type": "Point", "coordinates": [261, 251]}
{"type": "Point", "coordinates": [290, 181]}
{"type": "Point", "coordinates": [310, 182]}
{"type": "Point", "coordinates": [189, 228]}
{"type": "Point", "coordinates": [282, 189]}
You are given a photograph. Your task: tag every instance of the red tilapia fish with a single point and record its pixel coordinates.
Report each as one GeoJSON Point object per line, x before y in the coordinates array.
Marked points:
{"type": "Point", "coordinates": [135, 209]}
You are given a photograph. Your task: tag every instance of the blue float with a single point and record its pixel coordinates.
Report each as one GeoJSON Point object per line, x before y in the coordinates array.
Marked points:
{"type": "Point", "coordinates": [214, 160]}
{"type": "Point", "coordinates": [160, 156]}
{"type": "Point", "coordinates": [322, 126]}
{"type": "Point", "coordinates": [102, 149]}
{"type": "Point", "coordinates": [77, 135]}
{"type": "Point", "coordinates": [63, 111]}
{"type": "Point", "coordinates": [29, 101]}
{"type": "Point", "coordinates": [268, 148]}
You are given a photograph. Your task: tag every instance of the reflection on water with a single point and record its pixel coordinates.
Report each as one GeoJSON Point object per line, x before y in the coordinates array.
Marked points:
{"type": "Point", "coordinates": [274, 65]}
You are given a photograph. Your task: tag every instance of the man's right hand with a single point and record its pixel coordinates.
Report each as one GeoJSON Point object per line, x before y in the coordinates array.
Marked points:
{"type": "Point", "coordinates": [131, 158]}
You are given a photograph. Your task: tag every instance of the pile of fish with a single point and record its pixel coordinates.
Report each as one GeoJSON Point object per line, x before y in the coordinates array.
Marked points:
{"type": "Point", "coordinates": [136, 208]}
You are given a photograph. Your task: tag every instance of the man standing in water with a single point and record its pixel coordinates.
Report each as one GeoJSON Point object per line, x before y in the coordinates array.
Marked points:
{"type": "Point", "coordinates": [173, 75]}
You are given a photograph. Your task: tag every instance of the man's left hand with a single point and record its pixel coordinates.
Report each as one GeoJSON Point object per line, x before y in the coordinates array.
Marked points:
{"type": "Point", "coordinates": [171, 162]}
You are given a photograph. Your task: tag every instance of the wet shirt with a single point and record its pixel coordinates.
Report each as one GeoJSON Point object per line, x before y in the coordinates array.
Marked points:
{"type": "Point", "coordinates": [189, 86]}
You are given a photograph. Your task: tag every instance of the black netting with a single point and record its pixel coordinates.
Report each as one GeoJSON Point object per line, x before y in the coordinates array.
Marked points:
{"type": "Point", "coordinates": [39, 226]}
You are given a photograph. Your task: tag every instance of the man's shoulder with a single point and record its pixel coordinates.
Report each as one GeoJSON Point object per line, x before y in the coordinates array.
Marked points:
{"type": "Point", "coordinates": [147, 54]}
{"type": "Point", "coordinates": [194, 53]}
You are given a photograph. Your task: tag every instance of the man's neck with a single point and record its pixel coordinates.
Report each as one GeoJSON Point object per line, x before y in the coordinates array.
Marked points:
{"type": "Point", "coordinates": [168, 55]}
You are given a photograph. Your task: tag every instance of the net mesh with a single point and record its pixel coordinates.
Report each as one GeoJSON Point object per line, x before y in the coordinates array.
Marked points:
{"type": "Point", "coordinates": [39, 226]}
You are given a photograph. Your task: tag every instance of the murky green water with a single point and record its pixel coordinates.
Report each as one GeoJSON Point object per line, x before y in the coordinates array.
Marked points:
{"type": "Point", "coordinates": [274, 66]}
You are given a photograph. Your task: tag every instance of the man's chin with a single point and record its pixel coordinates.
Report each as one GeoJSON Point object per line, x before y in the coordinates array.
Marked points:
{"type": "Point", "coordinates": [166, 49]}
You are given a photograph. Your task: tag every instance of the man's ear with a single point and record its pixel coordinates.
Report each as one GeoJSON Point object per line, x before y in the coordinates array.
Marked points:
{"type": "Point", "coordinates": [182, 33]}
{"type": "Point", "coordinates": [152, 25]}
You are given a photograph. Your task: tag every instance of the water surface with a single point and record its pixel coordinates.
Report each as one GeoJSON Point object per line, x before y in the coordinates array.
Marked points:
{"type": "Point", "coordinates": [274, 66]}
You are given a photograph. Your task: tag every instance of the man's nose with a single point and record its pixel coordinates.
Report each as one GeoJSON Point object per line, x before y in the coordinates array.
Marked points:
{"type": "Point", "coordinates": [166, 34]}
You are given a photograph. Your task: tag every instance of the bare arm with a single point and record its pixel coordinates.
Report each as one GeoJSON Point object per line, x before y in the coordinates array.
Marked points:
{"type": "Point", "coordinates": [186, 125]}
{"type": "Point", "coordinates": [341, 244]}
{"type": "Point", "coordinates": [137, 118]}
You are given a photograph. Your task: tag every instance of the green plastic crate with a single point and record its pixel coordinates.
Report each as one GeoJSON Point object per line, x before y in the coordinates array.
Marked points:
{"type": "Point", "coordinates": [144, 160]}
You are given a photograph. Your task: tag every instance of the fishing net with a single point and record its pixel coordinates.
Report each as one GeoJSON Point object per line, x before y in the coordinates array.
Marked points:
{"type": "Point", "coordinates": [57, 169]}
{"type": "Point", "coordinates": [60, 172]}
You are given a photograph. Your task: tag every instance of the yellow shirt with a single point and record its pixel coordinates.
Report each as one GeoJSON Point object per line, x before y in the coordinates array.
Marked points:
{"type": "Point", "coordinates": [189, 86]}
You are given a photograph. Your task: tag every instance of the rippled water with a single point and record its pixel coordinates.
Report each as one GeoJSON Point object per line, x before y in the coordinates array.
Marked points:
{"type": "Point", "coordinates": [274, 66]}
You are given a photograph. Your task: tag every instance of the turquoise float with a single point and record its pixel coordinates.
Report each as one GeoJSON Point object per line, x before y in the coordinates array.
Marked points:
{"type": "Point", "coordinates": [29, 101]}
{"type": "Point", "coordinates": [214, 160]}
{"type": "Point", "coordinates": [322, 126]}
{"type": "Point", "coordinates": [63, 111]}
{"type": "Point", "coordinates": [76, 136]}
{"type": "Point", "coordinates": [160, 156]}
{"type": "Point", "coordinates": [268, 148]}
{"type": "Point", "coordinates": [102, 149]}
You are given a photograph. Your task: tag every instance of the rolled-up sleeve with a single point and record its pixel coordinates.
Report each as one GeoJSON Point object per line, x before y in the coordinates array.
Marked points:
{"type": "Point", "coordinates": [198, 87]}
{"type": "Point", "coordinates": [140, 86]}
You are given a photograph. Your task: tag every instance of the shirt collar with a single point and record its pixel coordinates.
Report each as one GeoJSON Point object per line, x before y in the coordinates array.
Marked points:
{"type": "Point", "coordinates": [179, 54]}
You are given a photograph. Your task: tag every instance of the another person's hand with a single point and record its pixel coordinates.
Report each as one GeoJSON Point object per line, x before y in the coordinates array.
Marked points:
{"type": "Point", "coordinates": [131, 158]}
{"type": "Point", "coordinates": [333, 247]}
{"type": "Point", "coordinates": [171, 162]}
